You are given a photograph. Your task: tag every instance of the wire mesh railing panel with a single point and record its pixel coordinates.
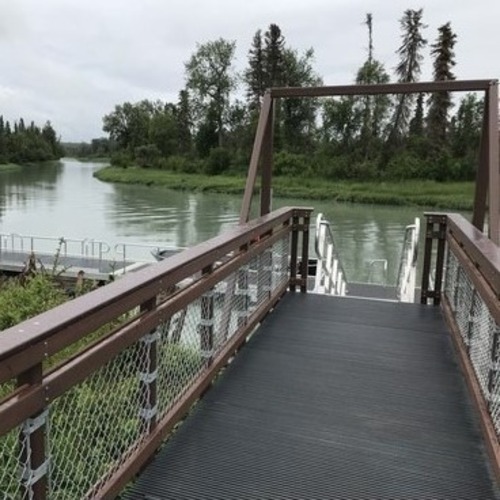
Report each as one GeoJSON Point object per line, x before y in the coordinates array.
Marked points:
{"type": "Point", "coordinates": [96, 425]}
{"type": "Point", "coordinates": [494, 402]}
{"type": "Point", "coordinates": [178, 355]}
{"type": "Point", "coordinates": [193, 336]}
{"type": "Point", "coordinates": [82, 437]}
{"type": "Point", "coordinates": [13, 464]}
{"type": "Point", "coordinates": [478, 330]}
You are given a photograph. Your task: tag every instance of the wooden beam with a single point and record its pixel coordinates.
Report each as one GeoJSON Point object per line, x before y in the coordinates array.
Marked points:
{"type": "Point", "coordinates": [389, 88]}
{"type": "Point", "coordinates": [482, 175]}
{"type": "Point", "coordinates": [267, 164]}
{"type": "Point", "coordinates": [254, 160]}
{"type": "Point", "coordinates": [493, 163]}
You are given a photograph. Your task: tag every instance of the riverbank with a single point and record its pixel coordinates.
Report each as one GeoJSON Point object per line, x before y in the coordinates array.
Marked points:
{"type": "Point", "coordinates": [9, 166]}
{"type": "Point", "coordinates": [450, 195]}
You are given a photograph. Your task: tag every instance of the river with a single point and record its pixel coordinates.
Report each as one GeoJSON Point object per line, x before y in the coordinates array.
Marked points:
{"type": "Point", "coordinates": [64, 199]}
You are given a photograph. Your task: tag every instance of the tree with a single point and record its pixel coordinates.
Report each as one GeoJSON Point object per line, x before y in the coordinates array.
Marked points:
{"type": "Point", "coordinates": [298, 116]}
{"type": "Point", "coordinates": [407, 70]}
{"type": "Point", "coordinates": [128, 124]}
{"type": "Point", "coordinates": [466, 128]}
{"type": "Point", "coordinates": [184, 122]}
{"type": "Point", "coordinates": [274, 58]}
{"type": "Point", "coordinates": [50, 137]}
{"type": "Point", "coordinates": [373, 109]}
{"type": "Point", "coordinates": [440, 102]}
{"type": "Point", "coordinates": [162, 132]}
{"type": "Point", "coordinates": [207, 137]}
{"type": "Point", "coordinates": [209, 75]}
{"type": "Point", "coordinates": [254, 76]}
{"type": "Point", "coordinates": [28, 144]}
{"type": "Point", "coordinates": [341, 123]}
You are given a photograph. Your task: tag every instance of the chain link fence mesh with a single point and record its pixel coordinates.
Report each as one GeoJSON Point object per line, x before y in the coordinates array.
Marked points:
{"type": "Point", "coordinates": [478, 330]}
{"type": "Point", "coordinates": [13, 450]}
{"type": "Point", "coordinates": [95, 426]}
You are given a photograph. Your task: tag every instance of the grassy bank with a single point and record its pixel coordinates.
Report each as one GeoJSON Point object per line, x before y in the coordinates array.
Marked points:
{"type": "Point", "coordinates": [9, 166]}
{"type": "Point", "coordinates": [455, 195]}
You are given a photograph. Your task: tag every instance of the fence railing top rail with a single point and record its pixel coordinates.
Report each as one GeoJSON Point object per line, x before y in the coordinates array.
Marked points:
{"type": "Point", "coordinates": [102, 305]}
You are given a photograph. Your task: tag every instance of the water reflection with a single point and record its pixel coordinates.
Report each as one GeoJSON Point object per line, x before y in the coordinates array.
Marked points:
{"type": "Point", "coordinates": [19, 186]}
{"type": "Point", "coordinates": [165, 216]}
{"type": "Point", "coordinates": [66, 200]}
{"type": "Point", "coordinates": [365, 235]}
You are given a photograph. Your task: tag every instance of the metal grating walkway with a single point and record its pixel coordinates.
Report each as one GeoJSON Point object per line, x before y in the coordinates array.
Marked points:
{"type": "Point", "coordinates": [331, 399]}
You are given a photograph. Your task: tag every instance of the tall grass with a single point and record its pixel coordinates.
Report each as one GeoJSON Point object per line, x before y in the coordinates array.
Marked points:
{"type": "Point", "coordinates": [449, 195]}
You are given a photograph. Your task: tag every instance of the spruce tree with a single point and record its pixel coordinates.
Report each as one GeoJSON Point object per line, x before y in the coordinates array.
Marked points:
{"type": "Point", "coordinates": [184, 122]}
{"type": "Point", "coordinates": [373, 109]}
{"type": "Point", "coordinates": [440, 102]}
{"type": "Point", "coordinates": [274, 57]}
{"type": "Point", "coordinates": [407, 70]}
{"type": "Point", "coordinates": [254, 75]}
{"type": "Point", "coordinates": [417, 122]}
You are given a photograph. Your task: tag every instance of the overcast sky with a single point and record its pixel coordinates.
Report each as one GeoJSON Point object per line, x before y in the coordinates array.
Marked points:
{"type": "Point", "coordinates": [71, 61]}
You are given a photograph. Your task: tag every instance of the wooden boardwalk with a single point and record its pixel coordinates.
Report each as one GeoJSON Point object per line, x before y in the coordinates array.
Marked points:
{"type": "Point", "coordinates": [332, 398]}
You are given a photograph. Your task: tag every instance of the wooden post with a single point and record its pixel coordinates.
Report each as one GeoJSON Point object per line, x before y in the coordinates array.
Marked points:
{"type": "Point", "coordinates": [481, 188]}
{"type": "Point", "coordinates": [493, 163]}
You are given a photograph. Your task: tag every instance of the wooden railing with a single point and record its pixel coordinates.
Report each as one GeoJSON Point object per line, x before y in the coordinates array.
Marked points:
{"type": "Point", "coordinates": [463, 275]}
{"type": "Point", "coordinates": [90, 389]}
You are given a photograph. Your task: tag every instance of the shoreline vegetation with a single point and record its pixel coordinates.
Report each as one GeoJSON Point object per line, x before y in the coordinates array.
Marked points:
{"type": "Point", "coordinates": [414, 149]}
{"type": "Point", "coordinates": [422, 193]}
{"type": "Point", "coordinates": [4, 167]}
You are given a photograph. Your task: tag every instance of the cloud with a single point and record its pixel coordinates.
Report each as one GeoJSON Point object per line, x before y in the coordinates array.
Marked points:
{"type": "Point", "coordinates": [71, 62]}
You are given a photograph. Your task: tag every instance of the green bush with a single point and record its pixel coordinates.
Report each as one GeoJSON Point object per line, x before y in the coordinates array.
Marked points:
{"type": "Point", "coordinates": [177, 163]}
{"type": "Point", "coordinates": [405, 165]}
{"type": "Point", "coordinates": [121, 159]}
{"type": "Point", "coordinates": [218, 161]}
{"type": "Point", "coordinates": [147, 156]}
{"type": "Point", "coordinates": [291, 164]}
{"type": "Point", "coordinates": [19, 302]}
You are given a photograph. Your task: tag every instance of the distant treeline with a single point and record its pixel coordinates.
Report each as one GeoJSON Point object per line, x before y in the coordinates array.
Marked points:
{"type": "Point", "coordinates": [209, 129]}
{"type": "Point", "coordinates": [97, 148]}
{"type": "Point", "coordinates": [21, 143]}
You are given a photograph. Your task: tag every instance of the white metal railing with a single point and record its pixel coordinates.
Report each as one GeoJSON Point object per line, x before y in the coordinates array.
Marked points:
{"type": "Point", "coordinates": [330, 275]}
{"type": "Point", "coordinates": [86, 248]}
{"type": "Point", "coordinates": [18, 243]}
{"type": "Point", "coordinates": [407, 273]}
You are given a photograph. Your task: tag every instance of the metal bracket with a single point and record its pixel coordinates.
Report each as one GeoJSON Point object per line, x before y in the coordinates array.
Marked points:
{"type": "Point", "coordinates": [148, 413]}
{"type": "Point", "coordinates": [206, 322]}
{"type": "Point", "coordinates": [31, 425]}
{"type": "Point", "coordinates": [31, 476]}
{"type": "Point", "coordinates": [149, 338]}
{"type": "Point", "coordinates": [148, 377]}
{"type": "Point", "coordinates": [206, 354]}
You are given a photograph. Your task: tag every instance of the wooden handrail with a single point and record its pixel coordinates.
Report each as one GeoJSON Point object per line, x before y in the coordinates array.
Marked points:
{"type": "Point", "coordinates": [32, 341]}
